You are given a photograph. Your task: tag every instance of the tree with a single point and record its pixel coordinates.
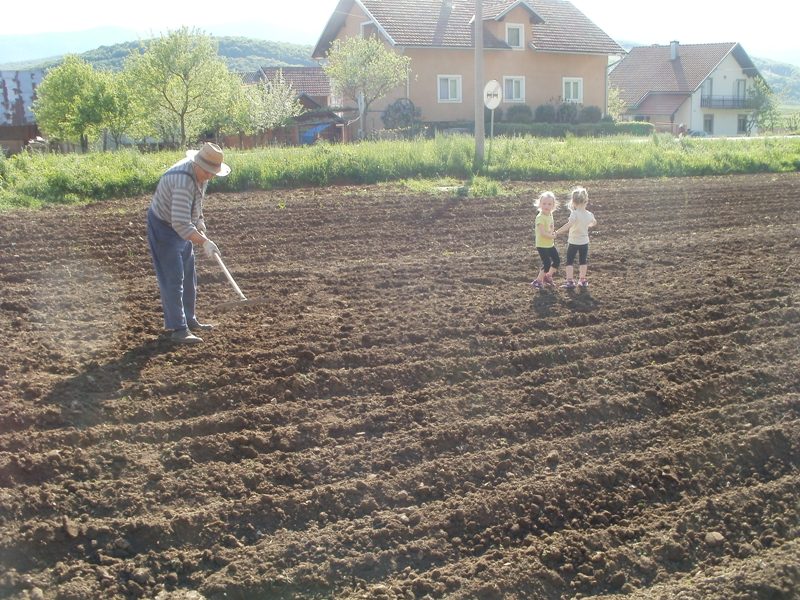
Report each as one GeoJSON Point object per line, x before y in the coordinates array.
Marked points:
{"type": "Point", "coordinates": [616, 105]}
{"type": "Point", "coordinates": [230, 113]}
{"type": "Point", "coordinates": [122, 112]}
{"type": "Point", "coordinates": [183, 79]}
{"type": "Point", "coordinates": [273, 104]}
{"type": "Point", "coordinates": [764, 105]}
{"type": "Point", "coordinates": [257, 108]}
{"type": "Point", "coordinates": [363, 70]}
{"type": "Point", "coordinates": [69, 102]}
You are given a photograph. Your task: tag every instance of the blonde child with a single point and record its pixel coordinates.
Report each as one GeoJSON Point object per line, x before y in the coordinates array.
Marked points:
{"type": "Point", "coordinates": [545, 240]}
{"type": "Point", "coordinates": [580, 220]}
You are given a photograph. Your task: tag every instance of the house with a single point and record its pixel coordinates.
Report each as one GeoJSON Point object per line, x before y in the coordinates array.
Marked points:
{"type": "Point", "coordinates": [704, 87]}
{"type": "Point", "coordinates": [541, 51]}
{"type": "Point", "coordinates": [17, 122]}
{"type": "Point", "coordinates": [313, 89]}
{"type": "Point", "coordinates": [311, 82]}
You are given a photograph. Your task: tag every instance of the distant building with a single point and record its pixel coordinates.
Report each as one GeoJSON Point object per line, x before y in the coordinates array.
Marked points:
{"type": "Point", "coordinates": [17, 122]}
{"type": "Point", "coordinates": [704, 87]}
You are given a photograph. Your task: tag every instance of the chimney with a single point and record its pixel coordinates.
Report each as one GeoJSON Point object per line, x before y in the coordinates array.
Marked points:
{"type": "Point", "coordinates": [673, 50]}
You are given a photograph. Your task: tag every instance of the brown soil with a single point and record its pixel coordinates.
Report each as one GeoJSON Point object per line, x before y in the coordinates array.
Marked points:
{"type": "Point", "coordinates": [404, 416]}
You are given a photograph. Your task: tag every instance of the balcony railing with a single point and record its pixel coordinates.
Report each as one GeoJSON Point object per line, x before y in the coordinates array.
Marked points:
{"type": "Point", "coordinates": [737, 102]}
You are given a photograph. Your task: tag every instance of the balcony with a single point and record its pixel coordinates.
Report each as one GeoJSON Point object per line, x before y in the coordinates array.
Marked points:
{"type": "Point", "coordinates": [735, 102]}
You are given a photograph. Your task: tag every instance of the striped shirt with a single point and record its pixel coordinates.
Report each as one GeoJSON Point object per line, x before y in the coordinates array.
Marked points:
{"type": "Point", "coordinates": [178, 200]}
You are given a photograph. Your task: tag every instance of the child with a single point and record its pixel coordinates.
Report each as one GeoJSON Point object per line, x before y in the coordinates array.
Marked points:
{"type": "Point", "coordinates": [545, 240]}
{"type": "Point", "coordinates": [580, 220]}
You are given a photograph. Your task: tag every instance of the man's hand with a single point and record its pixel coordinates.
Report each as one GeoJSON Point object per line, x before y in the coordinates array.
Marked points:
{"type": "Point", "coordinates": [210, 248]}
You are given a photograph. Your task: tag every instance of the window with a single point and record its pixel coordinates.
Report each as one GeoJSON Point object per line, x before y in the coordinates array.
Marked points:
{"type": "Point", "coordinates": [741, 88]}
{"type": "Point", "coordinates": [708, 124]}
{"type": "Point", "coordinates": [707, 89]}
{"type": "Point", "coordinates": [741, 126]}
{"type": "Point", "coordinates": [368, 29]}
{"type": "Point", "coordinates": [573, 89]}
{"type": "Point", "coordinates": [515, 35]}
{"type": "Point", "coordinates": [449, 88]}
{"type": "Point", "coordinates": [514, 89]}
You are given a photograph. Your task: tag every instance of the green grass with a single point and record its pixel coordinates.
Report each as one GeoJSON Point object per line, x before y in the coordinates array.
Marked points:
{"type": "Point", "coordinates": [45, 179]}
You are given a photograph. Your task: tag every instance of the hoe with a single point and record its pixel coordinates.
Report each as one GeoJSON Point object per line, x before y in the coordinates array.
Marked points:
{"type": "Point", "coordinates": [242, 301]}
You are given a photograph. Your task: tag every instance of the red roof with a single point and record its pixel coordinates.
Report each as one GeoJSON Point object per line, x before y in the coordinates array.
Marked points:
{"type": "Point", "coordinates": [312, 81]}
{"type": "Point", "coordinates": [648, 69]}
{"type": "Point", "coordinates": [661, 104]}
{"type": "Point", "coordinates": [448, 24]}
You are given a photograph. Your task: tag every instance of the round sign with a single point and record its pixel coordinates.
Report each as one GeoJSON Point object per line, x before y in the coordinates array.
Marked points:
{"type": "Point", "coordinates": [492, 94]}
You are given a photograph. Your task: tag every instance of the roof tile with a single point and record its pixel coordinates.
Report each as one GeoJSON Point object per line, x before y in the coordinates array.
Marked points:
{"type": "Point", "coordinates": [312, 81]}
{"type": "Point", "coordinates": [447, 23]}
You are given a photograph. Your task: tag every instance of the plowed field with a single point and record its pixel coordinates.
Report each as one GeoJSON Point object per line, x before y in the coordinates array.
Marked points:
{"type": "Point", "coordinates": [403, 416]}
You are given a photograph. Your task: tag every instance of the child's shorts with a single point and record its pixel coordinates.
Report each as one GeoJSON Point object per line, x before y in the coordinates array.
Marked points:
{"type": "Point", "coordinates": [582, 250]}
{"type": "Point", "coordinates": [549, 258]}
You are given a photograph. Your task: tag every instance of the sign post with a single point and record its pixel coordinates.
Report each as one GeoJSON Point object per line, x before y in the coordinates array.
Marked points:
{"type": "Point", "coordinates": [492, 97]}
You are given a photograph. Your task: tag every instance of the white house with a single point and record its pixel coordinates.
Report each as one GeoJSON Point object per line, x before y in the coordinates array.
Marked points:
{"type": "Point", "coordinates": [705, 87]}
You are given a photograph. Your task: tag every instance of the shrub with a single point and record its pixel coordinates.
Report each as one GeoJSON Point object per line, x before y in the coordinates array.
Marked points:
{"type": "Point", "coordinates": [567, 112]}
{"type": "Point", "coordinates": [561, 130]}
{"type": "Point", "coordinates": [635, 128]}
{"type": "Point", "coordinates": [519, 113]}
{"type": "Point", "coordinates": [400, 114]}
{"type": "Point", "coordinates": [590, 114]}
{"type": "Point", "coordinates": [545, 113]}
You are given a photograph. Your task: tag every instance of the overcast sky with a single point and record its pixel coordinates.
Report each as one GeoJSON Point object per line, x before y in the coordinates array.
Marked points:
{"type": "Point", "coordinates": [767, 29]}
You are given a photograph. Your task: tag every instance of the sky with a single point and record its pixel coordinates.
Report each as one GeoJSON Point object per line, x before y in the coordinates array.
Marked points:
{"type": "Point", "coordinates": [771, 32]}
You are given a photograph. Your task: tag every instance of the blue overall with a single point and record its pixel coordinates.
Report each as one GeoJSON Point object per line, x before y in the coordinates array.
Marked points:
{"type": "Point", "coordinates": [173, 259]}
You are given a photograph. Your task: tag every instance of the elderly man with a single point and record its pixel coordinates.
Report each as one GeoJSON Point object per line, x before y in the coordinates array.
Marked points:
{"type": "Point", "coordinates": [174, 222]}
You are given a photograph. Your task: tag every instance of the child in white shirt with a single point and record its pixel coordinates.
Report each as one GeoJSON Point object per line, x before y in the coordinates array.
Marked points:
{"type": "Point", "coordinates": [580, 220]}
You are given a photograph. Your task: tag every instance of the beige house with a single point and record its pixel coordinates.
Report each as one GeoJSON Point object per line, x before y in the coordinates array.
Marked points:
{"type": "Point", "coordinates": [540, 51]}
{"type": "Point", "coordinates": [704, 87]}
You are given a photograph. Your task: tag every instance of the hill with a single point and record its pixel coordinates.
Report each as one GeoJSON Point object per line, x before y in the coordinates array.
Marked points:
{"type": "Point", "coordinates": [783, 78]}
{"type": "Point", "coordinates": [240, 54]}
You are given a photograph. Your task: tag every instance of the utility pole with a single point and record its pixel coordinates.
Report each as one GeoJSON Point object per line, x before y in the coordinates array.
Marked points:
{"type": "Point", "coordinates": [480, 133]}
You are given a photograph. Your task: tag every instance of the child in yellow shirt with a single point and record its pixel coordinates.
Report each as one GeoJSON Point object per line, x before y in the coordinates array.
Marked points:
{"type": "Point", "coordinates": [545, 240]}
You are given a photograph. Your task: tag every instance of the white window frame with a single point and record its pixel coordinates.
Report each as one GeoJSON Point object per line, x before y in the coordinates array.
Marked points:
{"type": "Point", "coordinates": [572, 80]}
{"type": "Point", "coordinates": [741, 130]}
{"type": "Point", "coordinates": [707, 88]}
{"type": "Point", "coordinates": [508, 97]}
{"type": "Point", "coordinates": [518, 27]}
{"type": "Point", "coordinates": [708, 123]}
{"type": "Point", "coordinates": [457, 79]}
{"type": "Point", "coordinates": [740, 88]}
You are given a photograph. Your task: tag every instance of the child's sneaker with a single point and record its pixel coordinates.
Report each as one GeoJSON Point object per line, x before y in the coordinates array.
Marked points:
{"type": "Point", "coordinates": [548, 280]}
{"type": "Point", "coordinates": [583, 283]}
{"type": "Point", "coordinates": [568, 284]}
{"type": "Point", "coordinates": [537, 284]}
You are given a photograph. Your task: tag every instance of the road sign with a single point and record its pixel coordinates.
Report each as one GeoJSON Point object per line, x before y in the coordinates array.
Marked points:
{"type": "Point", "coordinates": [492, 94]}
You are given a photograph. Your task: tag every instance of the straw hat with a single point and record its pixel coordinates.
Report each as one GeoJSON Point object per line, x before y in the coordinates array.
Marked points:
{"type": "Point", "coordinates": [209, 158]}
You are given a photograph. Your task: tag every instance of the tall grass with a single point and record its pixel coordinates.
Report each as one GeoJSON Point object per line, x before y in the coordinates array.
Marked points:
{"type": "Point", "coordinates": [38, 179]}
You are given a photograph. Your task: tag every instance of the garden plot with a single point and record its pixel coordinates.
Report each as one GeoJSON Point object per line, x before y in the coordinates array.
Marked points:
{"type": "Point", "coordinates": [405, 417]}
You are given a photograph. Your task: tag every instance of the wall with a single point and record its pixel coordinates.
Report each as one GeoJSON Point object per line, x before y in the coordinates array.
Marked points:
{"type": "Point", "coordinates": [724, 84]}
